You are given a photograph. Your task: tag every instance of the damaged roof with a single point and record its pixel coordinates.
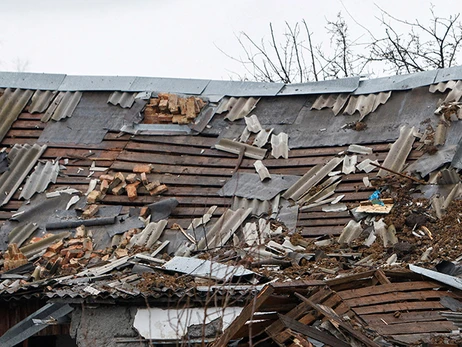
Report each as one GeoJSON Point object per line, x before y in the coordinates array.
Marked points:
{"type": "Point", "coordinates": [139, 188]}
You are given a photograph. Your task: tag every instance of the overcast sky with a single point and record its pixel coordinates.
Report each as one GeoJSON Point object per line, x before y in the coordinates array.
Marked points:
{"type": "Point", "coordinates": [175, 38]}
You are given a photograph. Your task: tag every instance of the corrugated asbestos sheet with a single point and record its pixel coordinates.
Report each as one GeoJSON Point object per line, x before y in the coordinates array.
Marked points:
{"type": "Point", "coordinates": [455, 87]}
{"type": "Point", "coordinates": [41, 100]}
{"type": "Point", "coordinates": [28, 80]}
{"type": "Point", "coordinates": [366, 104]}
{"type": "Point", "coordinates": [333, 101]}
{"type": "Point", "coordinates": [398, 82]}
{"type": "Point", "coordinates": [44, 173]}
{"type": "Point", "coordinates": [457, 159]}
{"type": "Point", "coordinates": [342, 85]}
{"type": "Point", "coordinates": [242, 88]}
{"type": "Point", "coordinates": [12, 102]}
{"type": "Point", "coordinates": [237, 108]}
{"type": "Point", "coordinates": [125, 100]}
{"type": "Point", "coordinates": [22, 160]}
{"type": "Point", "coordinates": [63, 106]}
{"type": "Point", "coordinates": [172, 85]}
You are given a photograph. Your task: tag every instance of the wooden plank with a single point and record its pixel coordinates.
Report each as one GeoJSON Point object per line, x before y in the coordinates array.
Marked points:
{"type": "Point", "coordinates": [381, 277]}
{"type": "Point", "coordinates": [202, 141]}
{"type": "Point", "coordinates": [388, 288]}
{"type": "Point", "coordinates": [325, 221]}
{"type": "Point", "coordinates": [177, 149]}
{"type": "Point", "coordinates": [321, 230]}
{"type": "Point", "coordinates": [349, 278]}
{"type": "Point", "coordinates": [245, 315]}
{"type": "Point", "coordinates": [395, 296]}
{"type": "Point", "coordinates": [400, 306]}
{"type": "Point", "coordinates": [413, 328]}
{"type": "Point", "coordinates": [314, 333]}
{"type": "Point", "coordinates": [35, 133]}
{"type": "Point", "coordinates": [403, 317]}
{"type": "Point", "coordinates": [28, 124]}
{"type": "Point", "coordinates": [338, 322]}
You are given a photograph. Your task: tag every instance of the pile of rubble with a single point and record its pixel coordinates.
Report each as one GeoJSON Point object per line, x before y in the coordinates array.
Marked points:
{"type": "Point", "coordinates": [172, 108]}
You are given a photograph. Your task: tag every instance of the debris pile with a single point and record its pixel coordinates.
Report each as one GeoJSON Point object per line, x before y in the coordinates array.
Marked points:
{"type": "Point", "coordinates": [172, 108]}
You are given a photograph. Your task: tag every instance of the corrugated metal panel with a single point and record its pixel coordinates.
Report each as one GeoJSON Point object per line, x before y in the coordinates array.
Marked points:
{"type": "Point", "coordinates": [21, 233]}
{"type": "Point", "coordinates": [398, 82]}
{"type": "Point", "coordinates": [63, 106]}
{"type": "Point", "coordinates": [399, 151]}
{"type": "Point", "coordinates": [12, 102]}
{"type": "Point", "coordinates": [170, 85]}
{"type": "Point", "coordinates": [49, 314]}
{"type": "Point", "coordinates": [366, 104]}
{"type": "Point", "coordinates": [452, 73]}
{"type": "Point", "coordinates": [223, 229]}
{"type": "Point", "coordinates": [41, 100]}
{"type": "Point", "coordinates": [310, 179]}
{"type": "Point", "coordinates": [205, 268]}
{"type": "Point", "coordinates": [237, 108]}
{"type": "Point", "coordinates": [333, 101]}
{"type": "Point", "coordinates": [96, 83]}
{"type": "Point", "coordinates": [28, 80]}
{"type": "Point", "coordinates": [44, 173]}
{"type": "Point", "coordinates": [22, 160]}
{"type": "Point", "coordinates": [123, 99]}
{"type": "Point", "coordinates": [242, 88]}
{"type": "Point", "coordinates": [342, 85]}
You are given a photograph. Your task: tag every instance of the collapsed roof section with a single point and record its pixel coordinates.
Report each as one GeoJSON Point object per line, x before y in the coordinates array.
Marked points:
{"type": "Point", "coordinates": [133, 189]}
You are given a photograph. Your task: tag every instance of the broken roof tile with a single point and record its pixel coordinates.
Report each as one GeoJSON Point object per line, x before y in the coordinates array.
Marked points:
{"type": "Point", "coordinates": [41, 100]}
{"type": "Point", "coordinates": [280, 145]}
{"type": "Point", "coordinates": [124, 99]}
{"type": "Point", "coordinates": [366, 104]}
{"type": "Point", "coordinates": [261, 170]}
{"type": "Point", "coordinates": [333, 101]}
{"type": "Point", "coordinates": [236, 108]}
{"type": "Point", "coordinates": [44, 174]}
{"type": "Point", "coordinates": [236, 147]}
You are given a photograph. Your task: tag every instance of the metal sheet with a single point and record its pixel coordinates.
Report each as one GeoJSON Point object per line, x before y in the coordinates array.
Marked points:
{"type": "Point", "coordinates": [12, 102]}
{"type": "Point", "coordinates": [399, 151]}
{"type": "Point", "coordinates": [41, 100]}
{"type": "Point", "coordinates": [247, 185]}
{"type": "Point", "coordinates": [398, 82]}
{"type": "Point", "coordinates": [44, 173]}
{"type": "Point", "coordinates": [22, 160]}
{"type": "Point", "coordinates": [51, 313]}
{"type": "Point", "coordinates": [96, 83]}
{"type": "Point", "coordinates": [206, 268]}
{"type": "Point", "coordinates": [28, 80]}
{"type": "Point", "coordinates": [124, 99]}
{"type": "Point", "coordinates": [242, 88]}
{"type": "Point", "coordinates": [168, 85]}
{"type": "Point", "coordinates": [341, 85]}
{"type": "Point", "coordinates": [452, 73]}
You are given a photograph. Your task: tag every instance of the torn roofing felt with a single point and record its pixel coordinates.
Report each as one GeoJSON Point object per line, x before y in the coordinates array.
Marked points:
{"type": "Point", "coordinates": [91, 120]}
{"type": "Point", "coordinates": [250, 186]}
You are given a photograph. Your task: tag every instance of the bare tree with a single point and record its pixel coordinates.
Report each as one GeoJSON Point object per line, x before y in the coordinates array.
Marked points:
{"type": "Point", "coordinates": [296, 58]}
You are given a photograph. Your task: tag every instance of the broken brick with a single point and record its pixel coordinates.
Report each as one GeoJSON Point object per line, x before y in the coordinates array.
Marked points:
{"type": "Point", "coordinates": [120, 189]}
{"type": "Point", "coordinates": [142, 168]}
{"type": "Point", "coordinates": [121, 252]}
{"type": "Point", "coordinates": [131, 190]}
{"type": "Point", "coordinates": [173, 106]}
{"type": "Point", "coordinates": [104, 186]}
{"type": "Point", "coordinates": [94, 196]}
{"type": "Point", "coordinates": [153, 102]}
{"type": "Point", "coordinates": [80, 231]}
{"type": "Point", "coordinates": [152, 185]}
{"type": "Point", "coordinates": [109, 178]}
{"type": "Point", "coordinates": [166, 118]}
{"type": "Point", "coordinates": [182, 103]}
{"type": "Point", "coordinates": [191, 108]}
{"type": "Point", "coordinates": [131, 178]}
{"type": "Point", "coordinates": [163, 105]}
{"type": "Point", "coordinates": [118, 179]}
{"type": "Point", "coordinates": [144, 212]}
{"type": "Point", "coordinates": [179, 119]}
{"type": "Point", "coordinates": [158, 190]}
{"type": "Point", "coordinates": [90, 211]}
{"type": "Point", "coordinates": [56, 247]}
{"type": "Point", "coordinates": [48, 255]}
{"type": "Point", "coordinates": [144, 178]}
{"type": "Point", "coordinates": [87, 245]}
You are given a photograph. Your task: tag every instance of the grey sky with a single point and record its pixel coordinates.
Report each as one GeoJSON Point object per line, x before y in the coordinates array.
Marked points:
{"type": "Point", "coordinates": [174, 38]}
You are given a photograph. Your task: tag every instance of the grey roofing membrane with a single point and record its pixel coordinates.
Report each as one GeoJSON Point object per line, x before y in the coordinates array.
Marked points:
{"type": "Point", "coordinates": [342, 85]}
{"type": "Point", "coordinates": [249, 186]}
